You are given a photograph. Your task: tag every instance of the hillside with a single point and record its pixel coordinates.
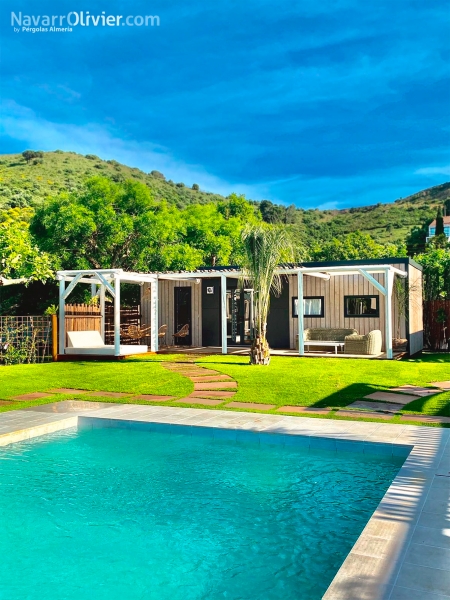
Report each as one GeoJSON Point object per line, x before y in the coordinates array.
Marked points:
{"type": "Point", "coordinates": [27, 184]}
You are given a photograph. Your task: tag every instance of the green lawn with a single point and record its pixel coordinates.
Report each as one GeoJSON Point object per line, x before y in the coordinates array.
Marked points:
{"type": "Point", "coordinates": [124, 376]}
{"type": "Point", "coordinates": [291, 381]}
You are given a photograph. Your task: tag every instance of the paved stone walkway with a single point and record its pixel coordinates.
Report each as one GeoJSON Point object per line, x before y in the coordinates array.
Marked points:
{"type": "Point", "coordinates": [385, 405]}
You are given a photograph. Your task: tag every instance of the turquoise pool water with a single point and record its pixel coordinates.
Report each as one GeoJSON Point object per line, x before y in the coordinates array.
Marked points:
{"type": "Point", "coordinates": [117, 514]}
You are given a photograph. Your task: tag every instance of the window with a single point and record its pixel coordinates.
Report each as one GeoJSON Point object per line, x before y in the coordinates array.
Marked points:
{"type": "Point", "coordinates": [313, 306]}
{"type": "Point", "coordinates": [361, 306]}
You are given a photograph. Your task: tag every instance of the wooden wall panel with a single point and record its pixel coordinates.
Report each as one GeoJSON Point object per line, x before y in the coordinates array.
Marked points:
{"type": "Point", "coordinates": [333, 292]}
{"type": "Point", "coordinates": [166, 307]}
{"type": "Point", "coordinates": [415, 322]}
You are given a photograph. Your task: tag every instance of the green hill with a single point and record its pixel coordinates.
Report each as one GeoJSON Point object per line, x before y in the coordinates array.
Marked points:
{"type": "Point", "coordinates": [25, 183]}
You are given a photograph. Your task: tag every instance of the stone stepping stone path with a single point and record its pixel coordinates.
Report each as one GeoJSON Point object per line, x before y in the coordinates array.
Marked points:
{"type": "Point", "coordinates": [109, 394]}
{"type": "Point", "coordinates": [213, 394]}
{"type": "Point", "coordinates": [363, 414]}
{"type": "Point", "coordinates": [401, 399]}
{"type": "Point", "coordinates": [67, 391]}
{"type": "Point", "coordinates": [443, 385]}
{"type": "Point", "coordinates": [215, 385]}
{"type": "Point", "coordinates": [425, 419]}
{"type": "Point", "coordinates": [32, 396]}
{"type": "Point", "coordinates": [208, 378]}
{"type": "Point", "coordinates": [389, 407]}
{"type": "Point", "coordinates": [415, 390]}
{"type": "Point", "coordinates": [250, 405]}
{"type": "Point", "coordinates": [210, 387]}
{"type": "Point", "coordinates": [203, 401]}
{"type": "Point", "coordinates": [152, 398]}
{"type": "Point", "coordinates": [304, 410]}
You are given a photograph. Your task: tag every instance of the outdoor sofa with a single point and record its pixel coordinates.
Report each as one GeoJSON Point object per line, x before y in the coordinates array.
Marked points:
{"type": "Point", "coordinates": [369, 344]}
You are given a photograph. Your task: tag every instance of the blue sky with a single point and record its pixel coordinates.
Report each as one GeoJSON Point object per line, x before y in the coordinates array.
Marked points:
{"type": "Point", "coordinates": [332, 104]}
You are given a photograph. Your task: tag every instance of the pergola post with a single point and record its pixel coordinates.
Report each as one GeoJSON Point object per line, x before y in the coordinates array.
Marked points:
{"type": "Point", "coordinates": [154, 316]}
{"type": "Point", "coordinates": [301, 325]}
{"type": "Point", "coordinates": [223, 297]}
{"type": "Point", "coordinates": [117, 314]}
{"type": "Point", "coordinates": [62, 316]}
{"type": "Point", "coordinates": [102, 311]}
{"type": "Point", "coordinates": [389, 285]}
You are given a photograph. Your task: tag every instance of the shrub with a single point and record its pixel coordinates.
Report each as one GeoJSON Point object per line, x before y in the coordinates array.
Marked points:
{"type": "Point", "coordinates": [92, 157]}
{"type": "Point", "coordinates": [195, 187]}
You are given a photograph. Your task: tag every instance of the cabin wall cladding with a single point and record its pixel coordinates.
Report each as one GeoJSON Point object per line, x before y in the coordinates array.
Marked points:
{"type": "Point", "coordinates": [333, 291]}
{"type": "Point", "coordinates": [416, 337]}
{"type": "Point", "coordinates": [166, 308]}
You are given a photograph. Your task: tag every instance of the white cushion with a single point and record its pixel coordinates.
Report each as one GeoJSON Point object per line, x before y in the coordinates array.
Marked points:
{"type": "Point", "coordinates": [85, 339]}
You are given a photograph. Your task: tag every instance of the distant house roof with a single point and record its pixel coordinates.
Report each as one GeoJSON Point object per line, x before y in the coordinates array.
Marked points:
{"type": "Point", "coordinates": [446, 222]}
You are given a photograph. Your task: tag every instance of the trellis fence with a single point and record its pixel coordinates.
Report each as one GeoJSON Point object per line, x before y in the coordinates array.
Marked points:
{"type": "Point", "coordinates": [436, 324]}
{"type": "Point", "coordinates": [25, 339]}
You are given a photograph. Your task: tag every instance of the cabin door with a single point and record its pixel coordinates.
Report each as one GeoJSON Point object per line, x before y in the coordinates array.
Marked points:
{"type": "Point", "coordinates": [183, 314]}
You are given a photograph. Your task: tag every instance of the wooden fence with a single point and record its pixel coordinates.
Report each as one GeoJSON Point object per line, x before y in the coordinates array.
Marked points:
{"type": "Point", "coordinates": [436, 324]}
{"type": "Point", "coordinates": [84, 317]}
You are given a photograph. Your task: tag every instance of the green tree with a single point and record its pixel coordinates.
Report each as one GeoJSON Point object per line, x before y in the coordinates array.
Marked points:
{"type": "Point", "coordinates": [264, 249]}
{"type": "Point", "coordinates": [439, 222]}
{"type": "Point", "coordinates": [436, 273]}
{"type": "Point", "coordinates": [107, 225]}
{"type": "Point", "coordinates": [30, 154]}
{"type": "Point", "coordinates": [355, 246]}
{"type": "Point", "coordinates": [19, 255]}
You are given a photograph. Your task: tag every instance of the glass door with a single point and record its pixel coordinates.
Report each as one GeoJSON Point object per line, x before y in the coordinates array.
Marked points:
{"type": "Point", "coordinates": [239, 316]}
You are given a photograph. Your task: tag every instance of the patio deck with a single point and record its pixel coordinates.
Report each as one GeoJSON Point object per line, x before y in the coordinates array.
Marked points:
{"type": "Point", "coordinates": [244, 350]}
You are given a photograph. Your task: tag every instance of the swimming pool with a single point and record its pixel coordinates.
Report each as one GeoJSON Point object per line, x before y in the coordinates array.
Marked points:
{"type": "Point", "coordinates": [125, 514]}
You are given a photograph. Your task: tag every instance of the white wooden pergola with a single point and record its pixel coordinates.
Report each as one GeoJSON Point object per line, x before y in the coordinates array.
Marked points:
{"type": "Point", "coordinates": [366, 271]}
{"type": "Point", "coordinates": [104, 281]}
{"type": "Point", "coordinates": [109, 280]}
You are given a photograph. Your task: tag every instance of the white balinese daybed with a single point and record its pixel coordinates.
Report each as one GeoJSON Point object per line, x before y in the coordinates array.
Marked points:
{"type": "Point", "coordinates": [90, 342]}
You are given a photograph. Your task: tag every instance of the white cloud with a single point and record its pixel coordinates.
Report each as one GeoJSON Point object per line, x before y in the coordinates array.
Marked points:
{"type": "Point", "coordinates": [444, 170]}
{"type": "Point", "coordinates": [21, 123]}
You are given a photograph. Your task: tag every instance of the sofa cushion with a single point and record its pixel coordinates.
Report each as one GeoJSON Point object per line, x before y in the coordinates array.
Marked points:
{"type": "Point", "coordinates": [327, 335]}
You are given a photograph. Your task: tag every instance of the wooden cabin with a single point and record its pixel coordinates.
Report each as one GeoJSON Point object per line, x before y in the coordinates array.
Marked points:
{"type": "Point", "coordinates": [362, 295]}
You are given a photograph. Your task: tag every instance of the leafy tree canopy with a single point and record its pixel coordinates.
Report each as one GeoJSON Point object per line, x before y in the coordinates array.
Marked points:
{"type": "Point", "coordinates": [355, 246]}
{"type": "Point", "coordinates": [19, 255]}
{"type": "Point", "coordinates": [118, 224]}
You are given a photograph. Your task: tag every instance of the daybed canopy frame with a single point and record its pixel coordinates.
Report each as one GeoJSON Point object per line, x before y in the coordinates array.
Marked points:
{"type": "Point", "coordinates": [108, 280]}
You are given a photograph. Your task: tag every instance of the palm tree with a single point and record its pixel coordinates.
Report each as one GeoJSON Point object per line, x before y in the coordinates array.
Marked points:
{"type": "Point", "coordinates": [264, 248]}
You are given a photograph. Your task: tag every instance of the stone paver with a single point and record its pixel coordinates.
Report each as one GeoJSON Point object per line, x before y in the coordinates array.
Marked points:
{"type": "Point", "coordinates": [214, 394]}
{"type": "Point", "coordinates": [444, 385]}
{"type": "Point", "coordinates": [303, 409]}
{"type": "Point", "coordinates": [109, 394]}
{"type": "Point", "coordinates": [5, 402]}
{"type": "Point", "coordinates": [415, 390]}
{"type": "Point", "coordinates": [375, 406]}
{"type": "Point", "coordinates": [67, 406]}
{"type": "Point", "coordinates": [250, 405]}
{"type": "Point", "coordinates": [425, 418]}
{"type": "Point", "coordinates": [67, 391]}
{"type": "Point", "coordinates": [152, 398]}
{"type": "Point", "coordinates": [388, 397]}
{"type": "Point", "coordinates": [363, 414]}
{"type": "Point", "coordinates": [32, 396]}
{"type": "Point", "coordinates": [206, 378]}
{"type": "Point", "coordinates": [215, 385]}
{"type": "Point", "coordinates": [204, 401]}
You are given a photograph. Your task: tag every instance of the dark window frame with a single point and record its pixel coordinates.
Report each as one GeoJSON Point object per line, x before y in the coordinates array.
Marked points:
{"type": "Point", "coordinates": [322, 305]}
{"type": "Point", "coordinates": [375, 315]}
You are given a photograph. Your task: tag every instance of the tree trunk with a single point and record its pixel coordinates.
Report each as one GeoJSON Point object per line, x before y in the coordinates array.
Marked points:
{"type": "Point", "coordinates": [260, 351]}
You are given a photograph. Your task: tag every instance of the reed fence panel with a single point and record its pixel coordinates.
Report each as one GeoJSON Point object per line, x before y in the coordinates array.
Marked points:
{"type": "Point", "coordinates": [436, 324]}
